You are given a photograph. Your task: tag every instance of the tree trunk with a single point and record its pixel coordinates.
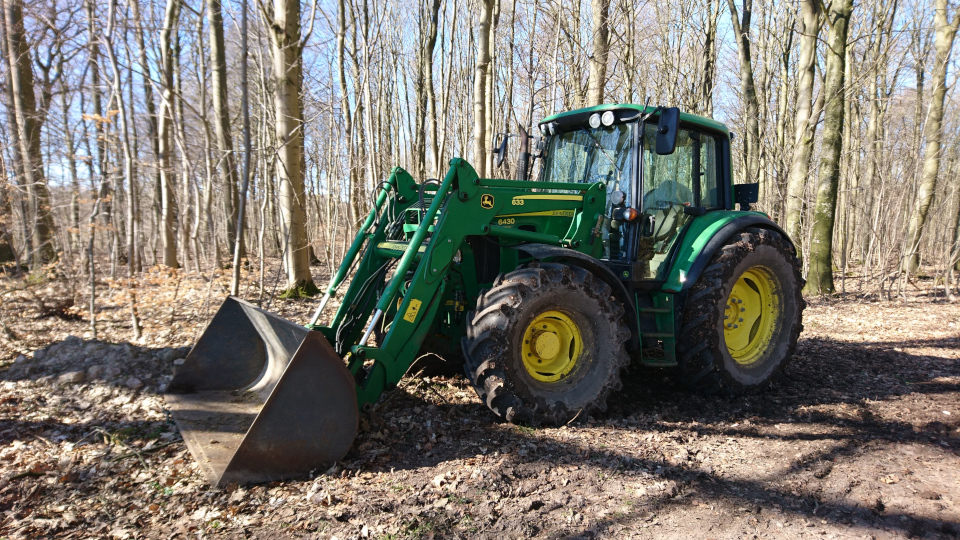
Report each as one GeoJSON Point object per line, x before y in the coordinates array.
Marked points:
{"type": "Point", "coordinates": [221, 114]}
{"type": "Point", "coordinates": [748, 91]}
{"type": "Point", "coordinates": [71, 149]}
{"type": "Point", "coordinates": [820, 275]}
{"type": "Point", "coordinates": [186, 177]}
{"type": "Point", "coordinates": [708, 75]}
{"type": "Point", "coordinates": [946, 30]}
{"type": "Point", "coordinates": [29, 124]}
{"type": "Point", "coordinates": [491, 92]}
{"type": "Point", "coordinates": [601, 49]}
{"type": "Point", "coordinates": [424, 86]}
{"type": "Point", "coordinates": [480, 142]}
{"type": "Point", "coordinates": [285, 41]}
{"type": "Point", "coordinates": [128, 171]}
{"type": "Point", "coordinates": [165, 135]}
{"type": "Point", "coordinates": [7, 252]}
{"type": "Point", "coordinates": [152, 122]}
{"type": "Point", "coordinates": [805, 126]}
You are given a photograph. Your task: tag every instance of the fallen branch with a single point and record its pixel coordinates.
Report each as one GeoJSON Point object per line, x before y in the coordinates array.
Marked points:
{"type": "Point", "coordinates": [139, 453]}
{"type": "Point", "coordinates": [33, 474]}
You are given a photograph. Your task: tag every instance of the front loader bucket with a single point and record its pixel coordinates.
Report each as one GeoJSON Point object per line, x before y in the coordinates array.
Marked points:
{"type": "Point", "coordinates": [260, 398]}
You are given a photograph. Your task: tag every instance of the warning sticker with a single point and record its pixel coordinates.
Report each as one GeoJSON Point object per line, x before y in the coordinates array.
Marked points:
{"type": "Point", "coordinates": [411, 314]}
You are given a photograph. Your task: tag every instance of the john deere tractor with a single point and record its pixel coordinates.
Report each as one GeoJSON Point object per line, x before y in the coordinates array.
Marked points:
{"type": "Point", "coordinates": [618, 243]}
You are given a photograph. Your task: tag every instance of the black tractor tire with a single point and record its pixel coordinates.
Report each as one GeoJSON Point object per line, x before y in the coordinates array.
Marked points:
{"type": "Point", "coordinates": [705, 362]}
{"type": "Point", "coordinates": [493, 347]}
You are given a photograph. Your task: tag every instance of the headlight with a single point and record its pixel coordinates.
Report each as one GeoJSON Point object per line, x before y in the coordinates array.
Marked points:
{"type": "Point", "coordinates": [607, 119]}
{"type": "Point", "coordinates": [595, 120]}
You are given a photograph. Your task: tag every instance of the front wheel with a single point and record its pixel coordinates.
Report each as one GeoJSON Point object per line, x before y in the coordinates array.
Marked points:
{"type": "Point", "coordinates": [546, 344]}
{"type": "Point", "coordinates": [741, 320]}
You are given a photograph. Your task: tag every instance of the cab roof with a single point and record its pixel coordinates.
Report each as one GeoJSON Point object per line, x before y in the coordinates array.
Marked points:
{"type": "Point", "coordinates": [581, 115]}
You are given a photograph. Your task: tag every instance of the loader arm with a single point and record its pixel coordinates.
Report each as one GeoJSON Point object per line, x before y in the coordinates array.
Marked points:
{"type": "Point", "coordinates": [462, 206]}
{"type": "Point", "coordinates": [260, 398]}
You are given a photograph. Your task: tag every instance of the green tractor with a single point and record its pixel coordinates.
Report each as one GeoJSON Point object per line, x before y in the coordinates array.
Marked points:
{"type": "Point", "coordinates": [617, 244]}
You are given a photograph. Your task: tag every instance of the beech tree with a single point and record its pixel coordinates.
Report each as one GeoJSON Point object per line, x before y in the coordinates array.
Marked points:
{"type": "Point", "coordinates": [820, 273]}
{"type": "Point", "coordinates": [946, 30]}
{"type": "Point", "coordinates": [288, 141]}
{"type": "Point", "coordinates": [28, 124]}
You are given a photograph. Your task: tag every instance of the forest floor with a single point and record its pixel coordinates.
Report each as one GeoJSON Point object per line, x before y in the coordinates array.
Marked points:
{"type": "Point", "coordinates": [859, 439]}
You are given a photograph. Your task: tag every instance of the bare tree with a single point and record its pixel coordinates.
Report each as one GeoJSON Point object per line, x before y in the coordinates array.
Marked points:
{"type": "Point", "coordinates": [481, 72]}
{"type": "Point", "coordinates": [946, 30]}
{"type": "Point", "coordinates": [748, 90]}
{"type": "Point", "coordinates": [221, 114]}
{"type": "Point", "coordinates": [820, 274]}
{"type": "Point", "coordinates": [29, 123]}
{"type": "Point", "coordinates": [165, 135]}
{"type": "Point", "coordinates": [286, 45]}
{"type": "Point", "coordinates": [601, 48]}
{"type": "Point", "coordinates": [805, 121]}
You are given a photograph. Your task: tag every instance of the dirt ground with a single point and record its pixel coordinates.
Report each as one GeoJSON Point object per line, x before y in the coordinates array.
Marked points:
{"type": "Point", "coordinates": [859, 439]}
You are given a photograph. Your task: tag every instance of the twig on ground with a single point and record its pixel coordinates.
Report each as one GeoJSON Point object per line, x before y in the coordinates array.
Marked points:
{"type": "Point", "coordinates": [33, 474]}
{"type": "Point", "coordinates": [139, 453]}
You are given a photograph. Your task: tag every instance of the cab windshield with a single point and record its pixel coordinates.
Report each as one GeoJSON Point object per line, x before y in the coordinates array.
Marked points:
{"type": "Point", "coordinates": [586, 155]}
{"type": "Point", "coordinates": [591, 155]}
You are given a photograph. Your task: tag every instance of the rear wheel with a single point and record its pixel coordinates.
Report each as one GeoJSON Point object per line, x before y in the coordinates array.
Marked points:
{"type": "Point", "coordinates": [546, 344]}
{"type": "Point", "coordinates": [741, 320]}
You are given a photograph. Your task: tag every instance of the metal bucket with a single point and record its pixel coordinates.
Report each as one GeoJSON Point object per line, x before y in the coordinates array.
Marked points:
{"type": "Point", "coordinates": [260, 398]}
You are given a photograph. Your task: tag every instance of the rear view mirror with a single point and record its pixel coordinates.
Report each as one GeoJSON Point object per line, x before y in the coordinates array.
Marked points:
{"type": "Point", "coordinates": [667, 130]}
{"type": "Point", "coordinates": [501, 150]}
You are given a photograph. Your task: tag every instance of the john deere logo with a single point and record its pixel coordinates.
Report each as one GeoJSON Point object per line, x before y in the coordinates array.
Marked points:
{"type": "Point", "coordinates": [486, 201]}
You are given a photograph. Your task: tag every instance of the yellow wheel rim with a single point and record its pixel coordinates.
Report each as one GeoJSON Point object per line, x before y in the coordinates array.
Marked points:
{"type": "Point", "coordinates": [752, 315]}
{"type": "Point", "coordinates": [551, 346]}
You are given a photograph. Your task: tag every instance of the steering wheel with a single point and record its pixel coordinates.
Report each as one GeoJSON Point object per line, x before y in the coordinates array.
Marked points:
{"type": "Point", "coordinates": [666, 207]}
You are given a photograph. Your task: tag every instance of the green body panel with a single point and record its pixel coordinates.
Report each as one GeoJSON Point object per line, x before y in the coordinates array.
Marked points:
{"type": "Point", "coordinates": [701, 231]}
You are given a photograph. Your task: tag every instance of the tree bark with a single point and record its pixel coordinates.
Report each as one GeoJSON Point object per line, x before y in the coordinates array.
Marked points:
{"type": "Point", "coordinates": [748, 90]}
{"type": "Point", "coordinates": [705, 101]}
{"type": "Point", "coordinates": [424, 89]}
{"type": "Point", "coordinates": [946, 30]}
{"type": "Point", "coordinates": [805, 127]}
{"type": "Point", "coordinates": [128, 166]}
{"type": "Point", "coordinates": [820, 275]}
{"type": "Point", "coordinates": [165, 135]}
{"type": "Point", "coordinates": [601, 50]}
{"type": "Point", "coordinates": [221, 114]}
{"type": "Point", "coordinates": [285, 41]}
{"type": "Point", "coordinates": [29, 124]}
{"type": "Point", "coordinates": [480, 142]}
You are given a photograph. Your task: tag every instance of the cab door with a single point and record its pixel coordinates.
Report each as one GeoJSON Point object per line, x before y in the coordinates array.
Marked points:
{"type": "Point", "coordinates": [675, 189]}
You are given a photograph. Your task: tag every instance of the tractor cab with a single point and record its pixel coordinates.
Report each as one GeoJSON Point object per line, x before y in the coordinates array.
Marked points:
{"type": "Point", "coordinates": [661, 169]}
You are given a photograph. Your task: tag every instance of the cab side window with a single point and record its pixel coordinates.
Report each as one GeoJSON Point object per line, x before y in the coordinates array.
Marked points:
{"type": "Point", "coordinates": [709, 195]}
{"type": "Point", "coordinates": [670, 179]}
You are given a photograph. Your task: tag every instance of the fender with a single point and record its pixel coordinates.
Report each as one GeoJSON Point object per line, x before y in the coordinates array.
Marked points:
{"type": "Point", "coordinates": [582, 260]}
{"type": "Point", "coordinates": [706, 237]}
